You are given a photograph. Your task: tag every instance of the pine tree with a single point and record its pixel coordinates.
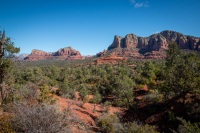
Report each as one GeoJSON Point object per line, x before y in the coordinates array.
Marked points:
{"type": "Point", "coordinates": [7, 50]}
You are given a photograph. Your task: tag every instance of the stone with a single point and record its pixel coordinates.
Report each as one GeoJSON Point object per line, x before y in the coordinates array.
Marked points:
{"type": "Point", "coordinates": [117, 43]}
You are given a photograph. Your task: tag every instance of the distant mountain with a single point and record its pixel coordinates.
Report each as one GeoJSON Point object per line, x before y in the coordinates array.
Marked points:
{"type": "Point", "coordinates": [22, 56]}
{"type": "Point", "coordinates": [154, 46]}
{"type": "Point", "coordinates": [130, 46]}
{"type": "Point", "coordinates": [67, 53]}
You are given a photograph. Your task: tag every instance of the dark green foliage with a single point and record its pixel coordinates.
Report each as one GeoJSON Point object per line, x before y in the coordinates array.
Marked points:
{"type": "Point", "coordinates": [182, 71]}
{"type": "Point", "coordinates": [108, 122]}
{"type": "Point", "coordinates": [6, 70]}
{"type": "Point", "coordinates": [45, 95]}
{"type": "Point", "coordinates": [7, 49]}
{"type": "Point", "coordinates": [148, 72]}
{"type": "Point", "coordinates": [97, 98]}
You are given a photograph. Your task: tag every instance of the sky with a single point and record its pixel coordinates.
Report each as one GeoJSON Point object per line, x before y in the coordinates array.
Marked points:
{"type": "Point", "coordinates": [89, 26]}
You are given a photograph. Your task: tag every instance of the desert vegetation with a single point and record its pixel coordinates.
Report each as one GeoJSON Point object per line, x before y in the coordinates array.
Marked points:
{"type": "Point", "coordinates": [156, 95]}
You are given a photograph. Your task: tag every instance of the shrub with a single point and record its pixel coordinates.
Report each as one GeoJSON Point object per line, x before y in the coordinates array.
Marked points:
{"type": "Point", "coordinates": [31, 94]}
{"type": "Point", "coordinates": [28, 92]}
{"type": "Point", "coordinates": [136, 127]}
{"type": "Point", "coordinates": [45, 95]}
{"type": "Point", "coordinates": [108, 123]}
{"type": "Point", "coordinates": [107, 105]}
{"type": "Point", "coordinates": [187, 127]}
{"type": "Point", "coordinates": [153, 97]}
{"type": "Point", "coordinates": [39, 118]}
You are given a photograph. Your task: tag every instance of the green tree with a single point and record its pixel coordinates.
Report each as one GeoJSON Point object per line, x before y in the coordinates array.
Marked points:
{"type": "Point", "coordinates": [148, 73]}
{"type": "Point", "coordinates": [182, 71]}
{"type": "Point", "coordinates": [123, 91]}
{"type": "Point", "coordinates": [45, 95]}
{"type": "Point", "coordinates": [7, 50]}
{"type": "Point", "coordinates": [173, 54]}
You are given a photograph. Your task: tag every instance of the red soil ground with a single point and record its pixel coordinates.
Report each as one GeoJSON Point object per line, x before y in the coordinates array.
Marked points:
{"type": "Point", "coordinates": [84, 113]}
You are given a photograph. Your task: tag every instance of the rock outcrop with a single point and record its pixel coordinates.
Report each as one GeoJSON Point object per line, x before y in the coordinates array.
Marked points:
{"type": "Point", "coordinates": [153, 46]}
{"type": "Point", "coordinates": [67, 53]}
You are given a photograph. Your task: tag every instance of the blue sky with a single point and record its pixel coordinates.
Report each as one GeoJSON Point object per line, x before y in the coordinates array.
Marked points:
{"type": "Point", "coordinates": [90, 25]}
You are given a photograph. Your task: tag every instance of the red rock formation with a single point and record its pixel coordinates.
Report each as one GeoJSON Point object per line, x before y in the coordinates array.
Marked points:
{"type": "Point", "coordinates": [151, 47]}
{"type": "Point", "coordinates": [62, 54]}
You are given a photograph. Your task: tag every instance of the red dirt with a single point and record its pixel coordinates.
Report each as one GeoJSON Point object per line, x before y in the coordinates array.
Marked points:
{"type": "Point", "coordinates": [85, 112]}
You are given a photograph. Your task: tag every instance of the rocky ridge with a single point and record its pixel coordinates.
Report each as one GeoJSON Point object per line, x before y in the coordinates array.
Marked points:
{"type": "Point", "coordinates": [67, 53]}
{"type": "Point", "coordinates": [152, 47]}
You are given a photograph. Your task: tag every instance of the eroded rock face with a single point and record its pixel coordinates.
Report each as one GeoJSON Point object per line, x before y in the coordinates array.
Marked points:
{"type": "Point", "coordinates": [117, 43]}
{"type": "Point", "coordinates": [130, 41]}
{"type": "Point", "coordinates": [63, 53]}
{"type": "Point", "coordinates": [67, 52]}
{"type": "Point", "coordinates": [152, 46]}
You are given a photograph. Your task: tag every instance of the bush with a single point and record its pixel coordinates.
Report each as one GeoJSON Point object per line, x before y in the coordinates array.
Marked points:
{"type": "Point", "coordinates": [111, 124]}
{"type": "Point", "coordinates": [27, 93]}
{"type": "Point", "coordinates": [45, 95]}
{"type": "Point", "coordinates": [108, 123]}
{"type": "Point", "coordinates": [155, 96]}
{"type": "Point", "coordinates": [136, 127]}
{"type": "Point", "coordinates": [39, 118]}
{"type": "Point", "coordinates": [187, 127]}
{"type": "Point", "coordinates": [32, 94]}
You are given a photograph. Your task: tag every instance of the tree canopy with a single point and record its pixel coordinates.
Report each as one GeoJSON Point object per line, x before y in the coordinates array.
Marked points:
{"type": "Point", "coordinates": [182, 71]}
{"type": "Point", "coordinates": [7, 48]}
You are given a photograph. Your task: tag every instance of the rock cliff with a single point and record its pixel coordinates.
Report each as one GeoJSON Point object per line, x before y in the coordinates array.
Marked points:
{"type": "Point", "coordinates": [67, 53]}
{"type": "Point", "coordinates": [153, 46]}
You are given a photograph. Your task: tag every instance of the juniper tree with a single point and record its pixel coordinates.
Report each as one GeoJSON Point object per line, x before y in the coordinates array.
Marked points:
{"type": "Point", "coordinates": [7, 50]}
{"type": "Point", "coordinates": [182, 71]}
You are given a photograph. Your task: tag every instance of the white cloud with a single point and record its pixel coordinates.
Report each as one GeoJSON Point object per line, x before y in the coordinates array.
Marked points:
{"type": "Point", "coordinates": [139, 3]}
